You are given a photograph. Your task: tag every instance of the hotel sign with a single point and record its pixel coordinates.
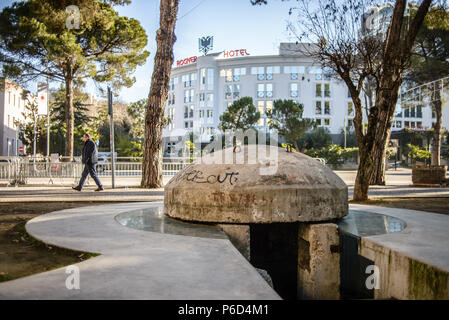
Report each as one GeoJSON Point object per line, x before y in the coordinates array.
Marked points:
{"type": "Point", "coordinates": [225, 54]}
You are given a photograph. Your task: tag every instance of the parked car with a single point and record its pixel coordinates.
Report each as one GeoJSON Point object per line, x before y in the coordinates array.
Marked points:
{"type": "Point", "coordinates": [102, 164]}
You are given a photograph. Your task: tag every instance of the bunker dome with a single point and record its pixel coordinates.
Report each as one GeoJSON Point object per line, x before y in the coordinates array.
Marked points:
{"type": "Point", "coordinates": [256, 184]}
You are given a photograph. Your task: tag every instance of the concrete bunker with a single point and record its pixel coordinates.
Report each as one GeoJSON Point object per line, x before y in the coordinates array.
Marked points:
{"type": "Point", "coordinates": [281, 220]}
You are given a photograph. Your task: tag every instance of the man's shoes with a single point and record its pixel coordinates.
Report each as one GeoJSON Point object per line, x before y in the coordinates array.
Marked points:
{"type": "Point", "coordinates": [99, 189]}
{"type": "Point", "coordinates": [77, 188]}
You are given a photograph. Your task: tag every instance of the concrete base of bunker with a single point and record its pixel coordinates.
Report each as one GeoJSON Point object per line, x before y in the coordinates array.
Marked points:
{"type": "Point", "coordinates": [303, 260]}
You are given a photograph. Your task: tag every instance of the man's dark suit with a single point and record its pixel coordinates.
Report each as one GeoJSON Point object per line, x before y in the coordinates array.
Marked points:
{"type": "Point", "coordinates": [89, 159]}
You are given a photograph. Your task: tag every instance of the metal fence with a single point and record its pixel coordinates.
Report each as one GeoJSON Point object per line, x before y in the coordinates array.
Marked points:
{"type": "Point", "coordinates": [17, 170]}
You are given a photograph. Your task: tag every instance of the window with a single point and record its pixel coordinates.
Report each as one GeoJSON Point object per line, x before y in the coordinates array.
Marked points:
{"type": "Point", "coordinates": [228, 91]}
{"type": "Point", "coordinates": [406, 124]}
{"type": "Point", "coordinates": [186, 125]}
{"type": "Point", "coordinates": [412, 112]}
{"type": "Point", "coordinates": [327, 107]}
{"type": "Point", "coordinates": [210, 79]}
{"type": "Point", "coordinates": [327, 90]}
{"type": "Point", "coordinates": [203, 77]}
{"type": "Point", "coordinates": [186, 95]}
{"type": "Point", "coordinates": [327, 122]}
{"type": "Point", "coordinates": [191, 111]}
{"type": "Point", "coordinates": [419, 124]}
{"type": "Point", "coordinates": [210, 99]}
{"type": "Point", "coordinates": [237, 73]}
{"type": "Point", "coordinates": [271, 71]}
{"type": "Point", "coordinates": [269, 91]}
{"type": "Point", "coordinates": [185, 80]}
{"type": "Point", "coordinates": [209, 113]}
{"type": "Point", "coordinates": [294, 71]}
{"type": "Point", "coordinates": [407, 113]}
{"type": "Point", "coordinates": [236, 92]}
{"type": "Point", "coordinates": [419, 111]}
{"type": "Point", "coordinates": [398, 124]}
{"type": "Point", "coordinates": [268, 105]}
{"type": "Point", "coordinates": [261, 122]}
{"type": "Point", "coordinates": [186, 112]}
{"type": "Point", "coordinates": [201, 114]}
{"type": "Point", "coordinates": [192, 95]}
{"type": "Point", "coordinates": [318, 122]}
{"type": "Point", "coordinates": [293, 90]}
{"type": "Point", "coordinates": [260, 73]}
{"type": "Point", "coordinates": [261, 90]}
{"type": "Point", "coordinates": [350, 123]}
{"type": "Point", "coordinates": [350, 109]}
{"type": "Point", "coordinates": [318, 107]}
{"type": "Point", "coordinates": [192, 79]}
{"type": "Point", "coordinates": [202, 97]}
{"type": "Point", "coordinates": [261, 107]}
{"type": "Point", "coordinates": [318, 89]}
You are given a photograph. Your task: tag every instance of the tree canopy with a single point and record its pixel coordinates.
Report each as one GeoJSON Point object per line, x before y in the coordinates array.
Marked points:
{"type": "Point", "coordinates": [241, 114]}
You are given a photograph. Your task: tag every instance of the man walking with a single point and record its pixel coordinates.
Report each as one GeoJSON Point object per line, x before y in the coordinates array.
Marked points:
{"type": "Point", "coordinates": [89, 159]}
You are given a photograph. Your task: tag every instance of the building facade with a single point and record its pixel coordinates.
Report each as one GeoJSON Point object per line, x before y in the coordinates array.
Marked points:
{"type": "Point", "coordinates": [12, 105]}
{"type": "Point", "coordinates": [201, 88]}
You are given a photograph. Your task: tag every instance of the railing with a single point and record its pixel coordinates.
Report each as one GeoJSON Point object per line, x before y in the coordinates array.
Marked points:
{"type": "Point", "coordinates": [17, 170]}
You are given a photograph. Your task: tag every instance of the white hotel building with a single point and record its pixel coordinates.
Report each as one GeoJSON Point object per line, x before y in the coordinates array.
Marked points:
{"type": "Point", "coordinates": [201, 88]}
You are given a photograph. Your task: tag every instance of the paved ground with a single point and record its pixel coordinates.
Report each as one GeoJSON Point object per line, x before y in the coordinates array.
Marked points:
{"type": "Point", "coordinates": [136, 264]}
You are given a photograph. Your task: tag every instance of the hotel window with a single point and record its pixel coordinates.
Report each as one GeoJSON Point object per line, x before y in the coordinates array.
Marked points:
{"type": "Point", "coordinates": [419, 111]}
{"type": "Point", "coordinates": [236, 92]}
{"type": "Point", "coordinates": [412, 112]}
{"type": "Point", "coordinates": [186, 95]}
{"type": "Point", "coordinates": [419, 124]}
{"type": "Point", "coordinates": [186, 124]}
{"type": "Point", "coordinates": [318, 89]}
{"type": "Point", "coordinates": [261, 107]}
{"type": "Point", "coordinates": [186, 112]}
{"type": "Point", "coordinates": [192, 79]}
{"type": "Point", "coordinates": [350, 123]}
{"type": "Point", "coordinates": [398, 124]}
{"type": "Point", "coordinates": [228, 75]}
{"type": "Point", "coordinates": [318, 122]}
{"type": "Point", "coordinates": [269, 87]}
{"type": "Point", "coordinates": [238, 72]}
{"type": "Point", "coordinates": [202, 97]}
{"type": "Point", "coordinates": [192, 95]}
{"type": "Point", "coordinates": [350, 109]}
{"type": "Point", "coordinates": [210, 79]}
{"type": "Point", "coordinates": [407, 113]}
{"type": "Point", "coordinates": [293, 90]}
{"type": "Point", "coordinates": [268, 105]}
{"type": "Point", "coordinates": [210, 99]}
{"type": "Point", "coordinates": [327, 90]}
{"type": "Point", "coordinates": [191, 111]}
{"type": "Point", "coordinates": [294, 71]}
{"type": "Point", "coordinates": [185, 80]}
{"type": "Point", "coordinates": [201, 114]}
{"type": "Point", "coordinates": [203, 77]}
{"type": "Point", "coordinates": [228, 91]}
{"type": "Point", "coordinates": [272, 70]}
{"type": "Point", "coordinates": [261, 90]}
{"type": "Point", "coordinates": [318, 107]}
{"type": "Point", "coordinates": [209, 113]}
{"type": "Point", "coordinates": [327, 122]}
{"type": "Point", "coordinates": [327, 107]}
{"type": "Point", "coordinates": [406, 124]}
{"type": "Point", "coordinates": [260, 71]}
{"type": "Point", "coordinates": [399, 114]}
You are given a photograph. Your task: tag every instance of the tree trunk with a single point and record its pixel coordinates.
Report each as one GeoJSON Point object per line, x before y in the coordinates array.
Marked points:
{"type": "Point", "coordinates": [69, 116]}
{"type": "Point", "coordinates": [163, 60]}
{"type": "Point", "coordinates": [437, 129]}
{"type": "Point", "coordinates": [363, 177]}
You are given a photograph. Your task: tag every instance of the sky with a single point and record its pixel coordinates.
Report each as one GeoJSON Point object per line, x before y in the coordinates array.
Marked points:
{"type": "Point", "coordinates": [234, 24]}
